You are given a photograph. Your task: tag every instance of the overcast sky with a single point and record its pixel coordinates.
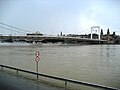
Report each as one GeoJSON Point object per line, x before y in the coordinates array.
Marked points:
{"type": "Point", "coordinates": [54, 16]}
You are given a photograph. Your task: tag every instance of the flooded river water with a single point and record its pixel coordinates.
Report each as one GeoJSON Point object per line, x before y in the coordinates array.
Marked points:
{"type": "Point", "coordinates": [90, 63]}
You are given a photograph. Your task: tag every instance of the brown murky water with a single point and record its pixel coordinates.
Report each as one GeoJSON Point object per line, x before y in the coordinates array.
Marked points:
{"type": "Point", "coordinates": [91, 63]}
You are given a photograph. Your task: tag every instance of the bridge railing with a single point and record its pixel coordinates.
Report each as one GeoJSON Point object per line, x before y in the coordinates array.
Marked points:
{"type": "Point", "coordinates": [66, 80]}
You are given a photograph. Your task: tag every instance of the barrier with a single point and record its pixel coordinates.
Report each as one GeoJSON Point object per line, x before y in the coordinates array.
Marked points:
{"type": "Point", "coordinates": [62, 79]}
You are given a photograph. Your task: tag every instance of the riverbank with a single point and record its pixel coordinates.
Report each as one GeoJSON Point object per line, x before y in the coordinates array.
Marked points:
{"type": "Point", "coordinates": [12, 82]}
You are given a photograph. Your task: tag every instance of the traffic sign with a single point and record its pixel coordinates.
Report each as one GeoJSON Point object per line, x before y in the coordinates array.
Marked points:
{"type": "Point", "coordinates": [37, 53]}
{"type": "Point", "coordinates": [37, 59]}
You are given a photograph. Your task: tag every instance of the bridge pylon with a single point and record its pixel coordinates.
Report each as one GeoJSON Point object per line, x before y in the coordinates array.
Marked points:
{"type": "Point", "coordinates": [97, 29]}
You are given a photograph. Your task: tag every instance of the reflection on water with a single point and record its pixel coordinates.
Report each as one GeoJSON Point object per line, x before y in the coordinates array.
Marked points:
{"type": "Point", "coordinates": [91, 63]}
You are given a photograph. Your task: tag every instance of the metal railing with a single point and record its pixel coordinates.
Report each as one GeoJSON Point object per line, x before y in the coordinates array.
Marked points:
{"type": "Point", "coordinates": [66, 80]}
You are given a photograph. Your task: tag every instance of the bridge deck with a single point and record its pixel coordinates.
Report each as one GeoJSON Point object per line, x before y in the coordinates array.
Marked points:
{"type": "Point", "coordinates": [51, 39]}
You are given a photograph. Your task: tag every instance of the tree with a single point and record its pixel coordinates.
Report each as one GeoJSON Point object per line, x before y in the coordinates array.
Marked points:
{"type": "Point", "coordinates": [108, 32]}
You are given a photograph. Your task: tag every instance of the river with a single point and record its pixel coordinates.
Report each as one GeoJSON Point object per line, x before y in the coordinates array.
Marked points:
{"type": "Point", "coordinates": [90, 63]}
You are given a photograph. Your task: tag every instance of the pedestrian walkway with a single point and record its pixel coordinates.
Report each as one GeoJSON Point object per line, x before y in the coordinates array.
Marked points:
{"type": "Point", "coordinates": [11, 82]}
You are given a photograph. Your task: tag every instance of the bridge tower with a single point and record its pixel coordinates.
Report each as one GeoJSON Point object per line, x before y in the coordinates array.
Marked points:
{"type": "Point", "coordinates": [97, 29]}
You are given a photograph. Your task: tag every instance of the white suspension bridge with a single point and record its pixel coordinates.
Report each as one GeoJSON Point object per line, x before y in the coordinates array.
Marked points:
{"type": "Point", "coordinates": [9, 33]}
